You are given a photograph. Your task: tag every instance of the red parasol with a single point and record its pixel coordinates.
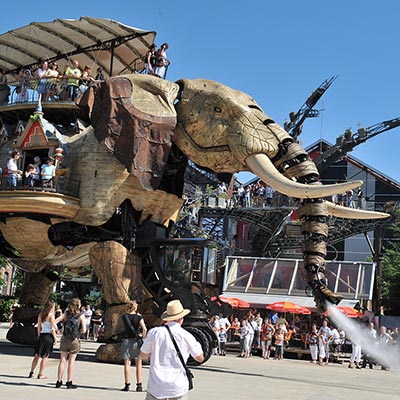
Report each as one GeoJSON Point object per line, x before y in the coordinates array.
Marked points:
{"type": "Point", "coordinates": [348, 311]}
{"type": "Point", "coordinates": [224, 299]}
{"type": "Point", "coordinates": [289, 307]}
{"type": "Point", "coordinates": [232, 301]}
{"type": "Point", "coordinates": [241, 303]}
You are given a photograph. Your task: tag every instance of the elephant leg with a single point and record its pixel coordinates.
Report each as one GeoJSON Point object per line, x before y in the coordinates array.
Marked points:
{"type": "Point", "coordinates": [120, 275]}
{"type": "Point", "coordinates": [315, 230]}
{"type": "Point", "coordinates": [35, 292]}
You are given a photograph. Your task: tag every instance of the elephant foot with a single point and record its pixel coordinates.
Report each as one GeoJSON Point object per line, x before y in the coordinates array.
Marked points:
{"type": "Point", "coordinates": [110, 352]}
{"type": "Point", "coordinates": [23, 330]}
{"type": "Point", "coordinates": [21, 334]}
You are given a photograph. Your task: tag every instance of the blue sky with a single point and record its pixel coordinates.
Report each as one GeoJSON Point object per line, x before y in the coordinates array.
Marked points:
{"type": "Point", "coordinates": [278, 52]}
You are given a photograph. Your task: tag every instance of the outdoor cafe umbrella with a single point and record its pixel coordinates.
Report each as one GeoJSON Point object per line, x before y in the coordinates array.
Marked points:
{"type": "Point", "coordinates": [241, 303]}
{"type": "Point", "coordinates": [348, 311]}
{"type": "Point", "coordinates": [224, 299]}
{"type": "Point", "coordinates": [288, 307]}
{"type": "Point", "coordinates": [232, 301]}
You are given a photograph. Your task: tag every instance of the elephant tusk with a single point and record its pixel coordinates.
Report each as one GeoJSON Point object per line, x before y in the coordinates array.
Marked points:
{"type": "Point", "coordinates": [353, 213]}
{"type": "Point", "coordinates": [262, 166]}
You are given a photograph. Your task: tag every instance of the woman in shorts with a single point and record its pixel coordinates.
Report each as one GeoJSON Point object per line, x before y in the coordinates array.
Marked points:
{"type": "Point", "coordinates": [135, 331]}
{"type": "Point", "coordinates": [70, 344]}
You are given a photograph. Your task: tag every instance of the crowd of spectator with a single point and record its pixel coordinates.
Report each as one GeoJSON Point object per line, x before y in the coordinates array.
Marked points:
{"type": "Point", "coordinates": [39, 174]}
{"type": "Point", "coordinates": [252, 331]}
{"type": "Point", "coordinates": [272, 335]}
{"type": "Point", "coordinates": [67, 85]}
{"type": "Point", "coordinates": [351, 199]}
{"type": "Point", "coordinates": [48, 83]}
{"type": "Point", "coordinates": [259, 194]}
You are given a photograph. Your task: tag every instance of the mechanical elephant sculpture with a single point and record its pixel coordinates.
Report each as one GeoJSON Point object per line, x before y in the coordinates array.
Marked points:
{"type": "Point", "coordinates": [142, 131]}
{"type": "Point", "coordinates": [226, 130]}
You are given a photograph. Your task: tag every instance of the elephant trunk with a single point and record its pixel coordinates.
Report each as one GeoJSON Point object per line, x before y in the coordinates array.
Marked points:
{"type": "Point", "coordinates": [314, 216]}
{"type": "Point", "coordinates": [293, 164]}
{"type": "Point", "coordinates": [293, 173]}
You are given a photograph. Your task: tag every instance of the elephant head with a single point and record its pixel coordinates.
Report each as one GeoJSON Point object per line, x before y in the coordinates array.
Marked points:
{"type": "Point", "coordinates": [227, 131]}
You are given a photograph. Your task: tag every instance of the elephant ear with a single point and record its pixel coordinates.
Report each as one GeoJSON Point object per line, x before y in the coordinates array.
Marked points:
{"type": "Point", "coordinates": [135, 116]}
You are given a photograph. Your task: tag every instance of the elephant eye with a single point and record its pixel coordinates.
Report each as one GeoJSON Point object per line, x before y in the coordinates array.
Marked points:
{"type": "Point", "coordinates": [217, 110]}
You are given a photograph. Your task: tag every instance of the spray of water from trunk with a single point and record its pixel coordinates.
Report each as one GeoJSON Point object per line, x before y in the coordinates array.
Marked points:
{"type": "Point", "coordinates": [385, 354]}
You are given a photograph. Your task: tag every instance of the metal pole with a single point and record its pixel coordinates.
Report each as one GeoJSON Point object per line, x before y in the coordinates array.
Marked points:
{"type": "Point", "coordinates": [112, 57]}
{"type": "Point", "coordinates": [378, 259]}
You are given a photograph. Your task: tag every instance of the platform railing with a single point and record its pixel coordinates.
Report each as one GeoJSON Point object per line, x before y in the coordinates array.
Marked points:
{"type": "Point", "coordinates": [61, 185]}
{"type": "Point", "coordinates": [26, 92]}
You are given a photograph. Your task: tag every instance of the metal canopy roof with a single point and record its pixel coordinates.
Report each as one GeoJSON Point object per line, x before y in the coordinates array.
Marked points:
{"type": "Point", "coordinates": [117, 48]}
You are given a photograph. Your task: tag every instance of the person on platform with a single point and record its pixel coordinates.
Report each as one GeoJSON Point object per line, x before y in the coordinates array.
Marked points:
{"type": "Point", "coordinates": [13, 171]}
{"type": "Point", "coordinates": [73, 74]}
{"type": "Point", "coordinates": [48, 172]}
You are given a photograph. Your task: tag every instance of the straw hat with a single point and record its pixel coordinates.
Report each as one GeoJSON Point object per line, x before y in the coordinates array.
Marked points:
{"type": "Point", "coordinates": [174, 311]}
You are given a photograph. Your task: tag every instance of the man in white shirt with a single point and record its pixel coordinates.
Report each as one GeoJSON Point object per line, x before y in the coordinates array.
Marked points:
{"type": "Point", "coordinates": [167, 376]}
{"type": "Point", "coordinates": [252, 324]}
{"type": "Point", "coordinates": [335, 339]}
{"type": "Point", "coordinates": [324, 334]}
{"type": "Point", "coordinates": [48, 171]}
{"type": "Point", "coordinates": [13, 170]}
{"type": "Point", "coordinates": [257, 334]}
{"type": "Point", "coordinates": [371, 330]}
{"type": "Point", "coordinates": [367, 358]}
{"type": "Point", "coordinates": [88, 318]}
{"type": "Point", "coordinates": [224, 322]}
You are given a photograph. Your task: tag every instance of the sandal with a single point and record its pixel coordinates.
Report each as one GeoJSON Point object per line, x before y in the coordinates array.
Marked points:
{"type": "Point", "coordinates": [40, 376]}
{"type": "Point", "coordinates": [30, 374]}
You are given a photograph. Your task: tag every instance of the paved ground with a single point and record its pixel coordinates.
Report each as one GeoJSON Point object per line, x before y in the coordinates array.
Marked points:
{"type": "Point", "coordinates": [220, 378]}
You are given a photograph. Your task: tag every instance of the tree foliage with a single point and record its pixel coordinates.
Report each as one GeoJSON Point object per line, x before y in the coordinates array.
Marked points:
{"type": "Point", "coordinates": [390, 281]}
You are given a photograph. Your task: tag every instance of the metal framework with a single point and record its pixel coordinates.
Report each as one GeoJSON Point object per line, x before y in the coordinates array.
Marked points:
{"type": "Point", "coordinates": [273, 233]}
{"type": "Point", "coordinates": [349, 141]}
{"type": "Point", "coordinates": [99, 41]}
{"type": "Point", "coordinates": [295, 125]}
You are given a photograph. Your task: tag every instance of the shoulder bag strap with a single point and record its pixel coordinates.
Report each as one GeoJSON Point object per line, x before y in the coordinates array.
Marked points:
{"type": "Point", "coordinates": [129, 325]}
{"type": "Point", "coordinates": [177, 348]}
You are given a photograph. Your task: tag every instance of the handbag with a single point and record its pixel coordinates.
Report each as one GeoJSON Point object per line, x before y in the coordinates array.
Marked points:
{"type": "Point", "coordinates": [189, 374]}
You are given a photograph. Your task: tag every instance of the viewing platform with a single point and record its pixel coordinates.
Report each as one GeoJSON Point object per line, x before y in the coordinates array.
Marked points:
{"type": "Point", "coordinates": [38, 202]}
{"type": "Point", "coordinates": [61, 200]}
{"type": "Point", "coordinates": [61, 111]}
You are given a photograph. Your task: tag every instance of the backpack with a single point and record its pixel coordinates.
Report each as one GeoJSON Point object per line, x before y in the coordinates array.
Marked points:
{"type": "Point", "coordinates": [71, 326]}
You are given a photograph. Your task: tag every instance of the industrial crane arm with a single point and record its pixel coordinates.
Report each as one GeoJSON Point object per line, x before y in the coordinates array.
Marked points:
{"type": "Point", "coordinates": [294, 126]}
{"type": "Point", "coordinates": [346, 143]}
